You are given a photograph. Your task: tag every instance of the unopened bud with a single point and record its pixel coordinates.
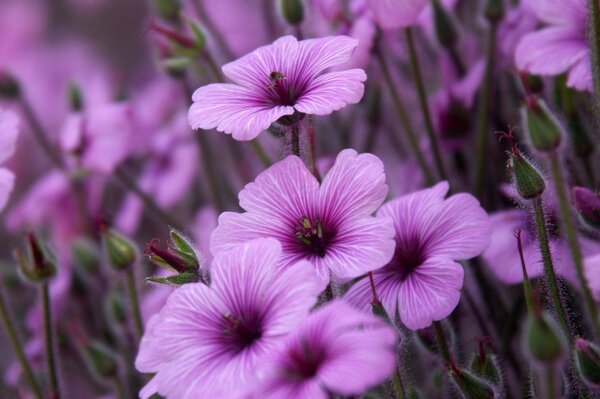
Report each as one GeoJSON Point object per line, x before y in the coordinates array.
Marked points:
{"type": "Point", "coordinates": [544, 130]}
{"type": "Point", "coordinates": [120, 252]}
{"type": "Point", "coordinates": [176, 280]}
{"type": "Point", "coordinates": [85, 254]}
{"type": "Point", "coordinates": [544, 339]}
{"type": "Point", "coordinates": [587, 204]}
{"type": "Point", "coordinates": [528, 180]}
{"type": "Point", "coordinates": [494, 10]}
{"type": "Point", "coordinates": [470, 386]}
{"type": "Point", "coordinates": [485, 365]}
{"type": "Point", "coordinates": [444, 26]}
{"type": "Point", "coordinates": [101, 361]}
{"type": "Point", "coordinates": [179, 256]}
{"type": "Point", "coordinates": [587, 357]}
{"type": "Point", "coordinates": [292, 11]}
{"type": "Point", "coordinates": [39, 264]}
{"type": "Point", "coordinates": [9, 87]}
{"type": "Point", "coordinates": [115, 308]}
{"type": "Point", "coordinates": [168, 9]}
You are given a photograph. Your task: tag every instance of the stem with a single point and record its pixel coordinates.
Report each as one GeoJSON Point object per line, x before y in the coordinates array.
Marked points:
{"type": "Point", "coordinates": [416, 70]}
{"type": "Point", "coordinates": [134, 304]}
{"type": "Point", "coordinates": [589, 170]}
{"type": "Point", "coordinates": [211, 28]}
{"type": "Point", "coordinates": [442, 343]}
{"type": "Point", "coordinates": [159, 214]}
{"type": "Point", "coordinates": [571, 235]}
{"type": "Point", "coordinates": [310, 133]}
{"type": "Point", "coordinates": [295, 139]}
{"type": "Point", "coordinates": [484, 108]}
{"type": "Point", "coordinates": [540, 221]}
{"type": "Point", "coordinates": [49, 340]}
{"type": "Point", "coordinates": [16, 344]}
{"type": "Point", "coordinates": [399, 392]}
{"type": "Point", "coordinates": [550, 383]}
{"type": "Point", "coordinates": [261, 153]}
{"type": "Point", "coordinates": [119, 389]}
{"type": "Point", "coordinates": [404, 120]}
{"type": "Point", "coordinates": [594, 39]}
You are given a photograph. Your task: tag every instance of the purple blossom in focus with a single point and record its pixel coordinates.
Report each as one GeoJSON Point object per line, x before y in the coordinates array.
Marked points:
{"type": "Point", "coordinates": [276, 81]}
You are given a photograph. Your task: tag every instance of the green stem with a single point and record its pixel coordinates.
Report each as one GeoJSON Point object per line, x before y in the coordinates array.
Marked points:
{"type": "Point", "coordinates": [295, 139]}
{"type": "Point", "coordinates": [483, 112]}
{"type": "Point", "coordinates": [134, 304]}
{"type": "Point", "coordinates": [49, 341]}
{"type": "Point", "coordinates": [416, 70]}
{"type": "Point", "coordinates": [261, 153]}
{"type": "Point", "coordinates": [16, 344]}
{"type": "Point", "coordinates": [571, 235]}
{"type": "Point", "coordinates": [550, 383]}
{"type": "Point", "coordinates": [399, 391]}
{"type": "Point", "coordinates": [540, 221]}
{"type": "Point", "coordinates": [404, 120]}
{"type": "Point", "coordinates": [442, 343]}
{"type": "Point", "coordinates": [594, 38]}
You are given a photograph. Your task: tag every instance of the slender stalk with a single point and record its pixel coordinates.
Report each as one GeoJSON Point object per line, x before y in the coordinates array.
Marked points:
{"type": "Point", "coordinates": [484, 108]}
{"type": "Point", "coordinates": [295, 139]}
{"type": "Point", "coordinates": [404, 120]}
{"type": "Point", "coordinates": [571, 235]}
{"type": "Point", "coordinates": [134, 304]}
{"type": "Point", "coordinates": [416, 71]}
{"type": "Point", "coordinates": [550, 383]}
{"type": "Point", "coordinates": [442, 343]}
{"type": "Point", "coordinates": [16, 344]}
{"type": "Point", "coordinates": [156, 211]}
{"type": "Point", "coordinates": [399, 391]}
{"type": "Point", "coordinates": [119, 388]}
{"type": "Point", "coordinates": [540, 221]}
{"type": "Point", "coordinates": [49, 341]}
{"type": "Point", "coordinates": [594, 39]}
{"type": "Point", "coordinates": [310, 134]}
{"type": "Point", "coordinates": [261, 153]}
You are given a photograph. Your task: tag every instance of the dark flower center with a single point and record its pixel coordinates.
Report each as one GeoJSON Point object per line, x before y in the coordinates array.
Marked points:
{"type": "Point", "coordinates": [314, 238]}
{"type": "Point", "coordinates": [408, 256]}
{"type": "Point", "coordinates": [241, 332]}
{"type": "Point", "coordinates": [304, 362]}
{"type": "Point", "coordinates": [280, 89]}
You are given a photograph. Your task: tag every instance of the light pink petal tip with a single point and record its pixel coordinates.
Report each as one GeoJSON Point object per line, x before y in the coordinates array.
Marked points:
{"type": "Point", "coordinates": [393, 14]}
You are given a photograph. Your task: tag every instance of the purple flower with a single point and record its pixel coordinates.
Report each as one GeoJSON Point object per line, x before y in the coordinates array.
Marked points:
{"type": "Point", "coordinates": [392, 14]}
{"type": "Point", "coordinates": [330, 225]}
{"type": "Point", "coordinates": [422, 282]}
{"type": "Point", "coordinates": [336, 350]}
{"type": "Point", "coordinates": [561, 46]}
{"type": "Point", "coordinates": [9, 131]}
{"type": "Point", "coordinates": [208, 341]}
{"type": "Point", "coordinates": [276, 81]}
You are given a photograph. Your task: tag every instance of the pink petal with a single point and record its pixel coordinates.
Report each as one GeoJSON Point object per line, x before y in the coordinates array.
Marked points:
{"type": "Point", "coordinates": [354, 187]}
{"type": "Point", "coordinates": [551, 51]}
{"type": "Point", "coordinates": [430, 293]}
{"type": "Point", "coordinates": [592, 274]}
{"type": "Point", "coordinates": [332, 91]}
{"type": "Point", "coordinates": [7, 182]}
{"type": "Point", "coordinates": [392, 14]}
{"type": "Point", "coordinates": [560, 12]}
{"type": "Point", "coordinates": [580, 75]}
{"type": "Point", "coordinates": [9, 131]}
{"type": "Point", "coordinates": [316, 55]}
{"type": "Point", "coordinates": [233, 109]}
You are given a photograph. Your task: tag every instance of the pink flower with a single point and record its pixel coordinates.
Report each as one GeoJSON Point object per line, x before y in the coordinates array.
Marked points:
{"type": "Point", "coordinates": [422, 282]}
{"type": "Point", "coordinates": [561, 46]}
{"type": "Point", "coordinates": [276, 81]}
{"type": "Point", "coordinates": [329, 225]}
{"type": "Point", "coordinates": [336, 350]}
{"type": "Point", "coordinates": [393, 14]}
{"type": "Point", "coordinates": [591, 268]}
{"type": "Point", "coordinates": [208, 341]}
{"type": "Point", "coordinates": [9, 131]}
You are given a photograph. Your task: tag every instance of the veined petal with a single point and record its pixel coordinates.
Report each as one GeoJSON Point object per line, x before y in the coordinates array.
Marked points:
{"type": "Point", "coordinates": [430, 293]}
{"type": "Point", "coordinates": [316, 55]}
{"type": "Point", "coordinates": [9, 130]}
{"type": "Point", "coordinates": [580, 75]}
{"type": "Point", "coordinates": [332, 91]}
{"type": "Point", "coordinates": [392, 14]}
{"type": "Point", "coordinates": [234, 110]}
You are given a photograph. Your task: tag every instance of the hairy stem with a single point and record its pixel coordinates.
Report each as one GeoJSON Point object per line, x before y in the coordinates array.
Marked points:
{"type": "Point", "coordinates": [134, 303]}
{"type": "Point", "coordinates": [49, 342]}
{"type": "Point", "coordinates": [442, 343]}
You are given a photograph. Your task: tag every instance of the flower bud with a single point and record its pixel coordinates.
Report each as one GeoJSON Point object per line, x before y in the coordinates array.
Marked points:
{"type": "Point", "coordinates": [494, 10]}
{"type": "Point", "coordinates": [544, 338]}
{"type": "Point", "coordinates": [587, 358]}
{"type": "Point", "coordinates": [444, 27]}
{"type": "Point", "coordinates": [120, 252]}
{"type": "Point", "coordinates": [168, 9]}
{"type": "Point", "coordinates": [544, 130]}
{"type": "Point", "coordinates": [115, 308]}
{"type": "Point", "coordinates": [292, 11]}
{"type": "Point", "coordinates": [470, 386]}
{"type": "Point", "coordinates": [587, 204]}
{"type": "Point", "coordinates": [39, 265]}
{"type": "Point", "coordinates": [528, 180]}
{"type": "Point", "coordinates": [485, 365]}
{"type": "Point", "coordinates": [100, 360]}
{"type": "Point", "coordinates": [86, 254]}
{"type": "Point", "coordinates": [9, 87]}
{"type": "Point", "coordinates": [177, 279]}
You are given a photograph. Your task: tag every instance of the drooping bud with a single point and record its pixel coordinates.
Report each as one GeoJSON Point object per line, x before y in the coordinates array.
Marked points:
{"type": "Point", "coordinates": [494, 10]}
{"type": "Point", "coordinates": [587, 204]}
{"type": "Point", "coordinates": [9, 87]}
{"type": "Point", "coordinates": [542, 127]}
{"type": "Point", "coordinates": [119, 250]}
{"type": "Point", "coordinates": [292, 11]}
{"type": "Point", "coordinates": [486, 366]}
{"type": "Point", "coordinates": [39, 264]}
{"type": "Point", "coordinates": [444, 26]}
{"type": "Point", "coordinates": [168, 9]}
{"type": "Point", "coordinates": [587, 357]}
{"type": "Point", "coordinates": [544, 339]}
{"type": "Point", "coordinates": [469, 385]}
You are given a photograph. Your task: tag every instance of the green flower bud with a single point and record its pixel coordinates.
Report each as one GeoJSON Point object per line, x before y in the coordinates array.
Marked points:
{"type": "Point", "coordinates": [544, 339]}
{"type": "Point", "coordinates": [587, 357]}
{"type": "Point", "coordinates": [100, 360]}
{"type": "Point", "coordinates": [444, 26]}
{"type": "Point", "coordinates": [116, 309]}
{"type": "Point", "coordinates": [485, 365]}
{"type": "Point", "coordinates": [292, 11]}
{"type": "Point", "coordinates": [9, 87]}
{"type": "Point", "coordinates": [168, 9]}
{"type": "Point", "coordinates": [177, 279]}
{"type": "Point", "coordinates": [528, 180]}
{"type": "Point", "coordinates": [544, 130]}
{"type": "Point", "coordinates": [120, 252]}
{"type": "Point", "coordinates": [39, 264]}
{"type": "Point", "coordinates": [470, 386]}
{"type": "Point", "coordinates": [86, 254]}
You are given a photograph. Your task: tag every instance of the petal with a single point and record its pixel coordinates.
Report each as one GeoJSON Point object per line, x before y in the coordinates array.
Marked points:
{"type": "Point", "coordinates": [9, 131]}
{"type": "Point", "coordinates": [361, 245]}
{"type": "Point", "coordinates": [149, 389]}
{"type": "Point", "coordinates": [316, 55]}
{"type": "Point", "coordinates": [430, 293]}
{"type": "Point", "coordinates": [234, 110]}
{"type": "Point", "coordinates": [551, 51]}
{"type": "Point", "coordinates": [580, 75]}
{"type": "Point", "coordinates": [592, 273]}
{"type": "Point", "coordinates": [354, 187]}
{"type": "Point", "coordinates": [7, 182]}
{"type": "Point", "coordinates": [331, 92]}
{"type": "Point", "coordinates": [392, 14]}
{"type": "Point", "coordinates": [286, 191]}
{"type": "Point", "coordinates": [559, 12]}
